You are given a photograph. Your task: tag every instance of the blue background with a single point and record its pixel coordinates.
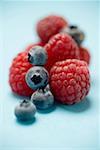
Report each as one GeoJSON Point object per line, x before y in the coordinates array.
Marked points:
{"type": "Point", "coordinates": [66, 127]}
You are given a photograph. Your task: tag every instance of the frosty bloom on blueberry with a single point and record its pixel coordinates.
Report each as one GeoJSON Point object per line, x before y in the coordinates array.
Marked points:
{"type": "Point", "coordinates": [37, 77]}
{"type": "Point", "coordinates": [25, 110]}
{"type": "Point", "coordinates": [43, 99]}
{"type": "Point", "coordinates": [37, 56]}
{"type": "Point", "coordinates": [76, 33]}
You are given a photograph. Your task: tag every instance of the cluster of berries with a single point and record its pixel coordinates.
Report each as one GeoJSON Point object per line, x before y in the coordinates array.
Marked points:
{"type": "Point", "coordinates": [65, 70]}
{"type": "Point", "coordinates": [37, 78]}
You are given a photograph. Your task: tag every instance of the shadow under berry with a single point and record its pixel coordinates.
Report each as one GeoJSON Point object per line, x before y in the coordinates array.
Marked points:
{"type": "Point", "coordinates": [78, 107]}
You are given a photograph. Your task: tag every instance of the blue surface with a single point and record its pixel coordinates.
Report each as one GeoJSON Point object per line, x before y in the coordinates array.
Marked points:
{"type": "Point", "coordinates": [66, 127]}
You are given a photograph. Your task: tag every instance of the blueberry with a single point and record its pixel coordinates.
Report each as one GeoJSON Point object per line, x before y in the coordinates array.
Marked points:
{"type": "Point", "coordinates": [25, 111]}
{"type": "Point", "coordinates": [76, 33]}
{"type": "Point", "coordinates": [37, 77]}
{"type": "Point", "coordinates": [73, 27]}
{"type": "Point", "coordinates": [47, 88]}
{"type": "Point", "coordinates": [42, 99]}
{"type": "Point", "coordinates": [37, 56]}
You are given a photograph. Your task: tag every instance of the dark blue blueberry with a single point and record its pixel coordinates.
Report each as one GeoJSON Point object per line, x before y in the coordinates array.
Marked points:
{"type": "Point", "coordinates": [43, 99]}
{"type": "Point", "coordinates": [76, 33]}
{"type": "Point", "coordinates": [73, 27]}
{"type": "Point", "coordinates": [25, 111]}
{"type": "Point", "coordinates": [37, 56]}
{"type": "Point", "coordinates": [37, 77]}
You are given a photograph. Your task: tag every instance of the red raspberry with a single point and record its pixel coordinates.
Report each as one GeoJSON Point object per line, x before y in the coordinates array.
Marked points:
{"type": "Point", "coordinates": [37, 44]}
{"type": "Point", "coordinates": [50, 26]}
{"type": "Point", "coordinates": [70, 81]}
{"type": "Point", "coordinates": [60, 47]}
{"type": "Point", "coordinates": [84, 54]}
{"type": "Point", "coordinates": [18, 69]}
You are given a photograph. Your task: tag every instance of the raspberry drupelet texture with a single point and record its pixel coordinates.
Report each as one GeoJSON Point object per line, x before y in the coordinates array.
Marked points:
{"type": "Point", "coordinates": [61, 47]}
{"type": "Point", "coordinates": [85, 55]}
{"type": "Point", "coordinates": [18, 70]}
{"type": "Point", "coordinates": [70, 81]}
{"type": "Point", "coordinates": [50, 26]}
{"type": "Point", "coordinates": [42, 98]}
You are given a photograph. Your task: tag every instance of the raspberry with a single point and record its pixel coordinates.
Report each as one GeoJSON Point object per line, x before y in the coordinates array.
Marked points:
{"type": "Point", "coordinates": [84, 54]}
{"type": "Point", "coordinates": [60, 47]}
{"type": "Point", "coordinates": [18, 70]}
{"type": "Point", "coordinates": [70, 81]}
{"type": "Point", "coordinates": [50, 26]}
{"type": "Point", "coordinates": [32, 45]}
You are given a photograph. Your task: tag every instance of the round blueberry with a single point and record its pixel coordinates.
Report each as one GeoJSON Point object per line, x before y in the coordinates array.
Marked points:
{"type": "Point", "coordinates": [37, 56]}
{"type": "Point", "coordinates": [25, 111]}
{"type": "Point", "coordinates": [76, 33]}
{"type": "Point", "coordinates": [42, 99]}
{"type": "Point", "coordinates": [37, 77]}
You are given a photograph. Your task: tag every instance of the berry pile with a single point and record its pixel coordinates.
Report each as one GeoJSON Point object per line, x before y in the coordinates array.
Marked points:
{"type": "Point", "coordinates": [37, 78]}
{"type": "Point", "coordinates": [55, 69]}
